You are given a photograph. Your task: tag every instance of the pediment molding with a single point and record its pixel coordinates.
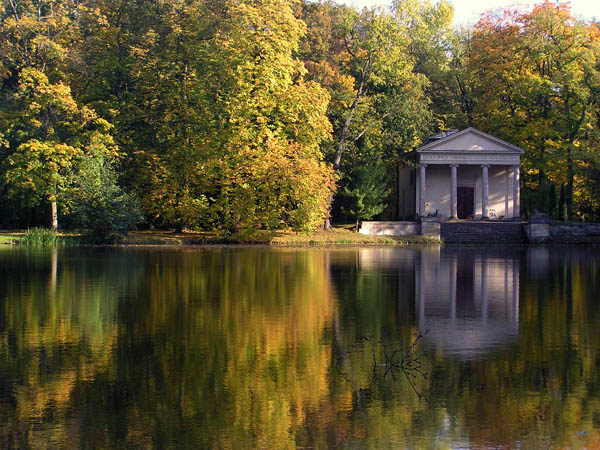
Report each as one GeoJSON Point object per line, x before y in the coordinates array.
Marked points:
{"type": "Point", "coordinates": [470, 141]}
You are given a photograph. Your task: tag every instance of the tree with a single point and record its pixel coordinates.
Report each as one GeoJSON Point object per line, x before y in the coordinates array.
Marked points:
{"type": "Point", "coordinates": [220, 128]}
{"type": "Point", "coordinates": [36, 34]}
{"type": "Point", "coordinates": [269, 123]}
{"type": "Point", "coordinates": [363, 198]}
{"type": "Point", "coordinates": [363, 59]}
{"type": "Point", "coordinates": [533, 70]}
{"type": "Point", "coordinates": [97, 202]}
{"type": "Point", "coordinates": [48, 132]}
{"type": "Point", "coordinates": [438, 50]}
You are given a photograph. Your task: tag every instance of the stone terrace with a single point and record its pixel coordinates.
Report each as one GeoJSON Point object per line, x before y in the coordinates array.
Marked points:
{"type": "Point", "coordinates": [469, 232]}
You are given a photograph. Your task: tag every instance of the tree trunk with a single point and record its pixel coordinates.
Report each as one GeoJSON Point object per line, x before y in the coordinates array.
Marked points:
{"type": "Point", "coordinates": [341, 146]}
{"type": "Point", "coordinates": [54, 215]}
{"type": "Point", "coordinates": [399, 205]}
{"type": "Point", "coordinates": [562, 204]}
{"type": "Point", "coordinates": [327, 221]}
{"type": "Point", "coordinates": [570, 176]}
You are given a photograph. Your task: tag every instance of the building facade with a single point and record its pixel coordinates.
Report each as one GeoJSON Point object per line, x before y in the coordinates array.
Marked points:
{"type": "Point", "coordinates": [464, 174]}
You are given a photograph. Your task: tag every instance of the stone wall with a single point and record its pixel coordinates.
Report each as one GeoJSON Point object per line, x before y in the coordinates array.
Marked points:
{"type": "Point", "coordinates": [484, 232]}
{"type": "Point", "coordinates": [431, 228]}
{"type": "Point", "coordinates": [490, 232]}
{"type": "Point", "coordinates": [390, 228]}
{"type": "Point", "coordinates": [573, 233]}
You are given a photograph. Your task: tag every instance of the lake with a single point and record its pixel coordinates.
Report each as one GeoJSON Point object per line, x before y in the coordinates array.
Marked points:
{"type": "Point", "coordinates": [398, 347]}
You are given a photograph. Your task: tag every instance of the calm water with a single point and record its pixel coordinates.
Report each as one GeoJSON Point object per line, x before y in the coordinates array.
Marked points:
{"type": "Point", "coordinates": [311, 348]}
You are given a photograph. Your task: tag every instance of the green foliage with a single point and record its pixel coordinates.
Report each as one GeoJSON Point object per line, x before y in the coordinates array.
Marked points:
{"type": "Point", "coordinates": [537, 80]}
{"type": "Point", "coordinates": [97, 202]}
{"type": "Point", "coordinates": [270, 174]}
{"type": "Point", "coordinates": [552, 201]}
{"type": "Point", "coordinates": [38, 170]}
{"type": "Point", "coordinates": [242, 115]}
{"type": "Point", "coordinates": [47, 132]}
{"type": "Point", "coordinates": [363, 197]}
{"type": "Point", "coordinates": [224, 131]}
{"type": "Point", "coordinates": [366, 59]}
{"type": "Point", "coordinates": [562, 203]}
{"type": "Point", "coordinates": [40, 237]}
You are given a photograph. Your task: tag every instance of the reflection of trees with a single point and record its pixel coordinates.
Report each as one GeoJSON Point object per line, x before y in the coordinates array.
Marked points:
{"type": "Point", "coordinates": [54, 332]}
{"type": "Point", "coordinates": [376, 330]}
{"type": "Point", "coordinates": [537, 391]}
{"type": "Point", "coordinates": [221, 328]}
{"type": "Point", "coordinates": [242, 348]}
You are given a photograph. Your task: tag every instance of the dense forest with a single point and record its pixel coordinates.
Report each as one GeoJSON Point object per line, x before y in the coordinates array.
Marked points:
{"type": "Point", "coordinates": [265, 114]}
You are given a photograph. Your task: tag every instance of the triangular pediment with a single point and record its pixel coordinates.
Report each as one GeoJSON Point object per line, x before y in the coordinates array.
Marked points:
{"type": "Point", "coordinates": [469, 140]}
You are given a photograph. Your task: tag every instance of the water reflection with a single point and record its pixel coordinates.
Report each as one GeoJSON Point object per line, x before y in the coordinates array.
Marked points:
{"type": "Point", "coordinates": [285, 348]}
{"type": "Point", "coordinates": [468, 302]}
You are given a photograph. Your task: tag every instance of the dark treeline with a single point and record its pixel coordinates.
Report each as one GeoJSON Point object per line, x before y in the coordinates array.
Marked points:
{"type": "Point", "coordinates": [242, 114]}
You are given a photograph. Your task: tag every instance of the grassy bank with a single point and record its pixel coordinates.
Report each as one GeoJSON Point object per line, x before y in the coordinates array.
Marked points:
{"type": "Point", "coordinates": [336, 236]}
{"type": "Point", "coordinates": [38, 238]}
{"type": "Point", "coordinates": [11, 237]}
{"type": "Point", "coordinates": [341, 236]}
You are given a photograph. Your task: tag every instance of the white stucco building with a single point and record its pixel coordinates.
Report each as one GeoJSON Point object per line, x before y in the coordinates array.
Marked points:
{"type": "Point", "coordinates": [464, 174]}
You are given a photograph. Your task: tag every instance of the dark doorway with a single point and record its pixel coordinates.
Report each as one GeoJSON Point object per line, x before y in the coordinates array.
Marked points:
{"type": "Point", "coordinates": [466, 202]}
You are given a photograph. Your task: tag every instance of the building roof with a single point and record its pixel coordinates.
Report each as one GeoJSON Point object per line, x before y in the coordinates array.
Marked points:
{"type": "Point", "coordinates": [468, 140]}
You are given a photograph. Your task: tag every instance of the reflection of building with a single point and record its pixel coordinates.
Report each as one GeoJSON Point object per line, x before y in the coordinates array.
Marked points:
{"type": "Point", "coordinates": [467, 302]}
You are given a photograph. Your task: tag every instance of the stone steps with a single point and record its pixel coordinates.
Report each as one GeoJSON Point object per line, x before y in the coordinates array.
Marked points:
{"type": "Point", "coordinates": [483, 233]}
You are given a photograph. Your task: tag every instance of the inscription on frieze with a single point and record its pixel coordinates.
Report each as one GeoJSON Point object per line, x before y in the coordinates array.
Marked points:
{"type": "Point", "coordinates": [463, 157]}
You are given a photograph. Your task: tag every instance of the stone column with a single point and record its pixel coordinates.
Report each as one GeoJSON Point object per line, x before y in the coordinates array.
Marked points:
{"type": "Point", "coordinates": [507, 195]}
{"type": "Point", "coordinates": [422, 190]}
{"type": "Point", "coordinates": [453, 193]}
{"type": "Point", "coordinates": [484, 191]}
{"type": "Point", "coordinates": [516, 199]}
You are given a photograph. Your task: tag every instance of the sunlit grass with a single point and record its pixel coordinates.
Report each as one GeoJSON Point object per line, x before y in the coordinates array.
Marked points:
{"type": "Point", "coordinates": [335, 236]}
{"type": "Point", "coordinates": [10, 237]}
{"type": "Point", "coordinates": [39, 237]}
{"type": "Point", "coordinates": [344, 236]}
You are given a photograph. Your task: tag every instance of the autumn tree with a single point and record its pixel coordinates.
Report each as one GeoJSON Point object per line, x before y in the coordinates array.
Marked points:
{"type": "Point", "coordinates": [533, 71]}
{"type": "Point", "coordinates": [49, 133]}
{"type": "Point", "coordinates": [367, 60]}
{"type": "Point", "coordinates": [269, 122]}
{"type": "Point", "coordinates": [221, 129]}
{"type": "Point", "coordinates": [44, 129]}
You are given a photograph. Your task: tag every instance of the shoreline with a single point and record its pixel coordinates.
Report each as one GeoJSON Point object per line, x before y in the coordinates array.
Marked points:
{"type": "Point", "coordinates": [337, 237]}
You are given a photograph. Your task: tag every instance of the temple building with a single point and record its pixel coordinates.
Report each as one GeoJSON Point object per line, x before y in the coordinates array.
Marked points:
{"type": "Point", "coordinates": [464, 174]}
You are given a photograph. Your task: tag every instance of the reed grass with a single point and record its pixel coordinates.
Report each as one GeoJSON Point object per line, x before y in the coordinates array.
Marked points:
{"type": "Point", "coordinates": [40, 237]}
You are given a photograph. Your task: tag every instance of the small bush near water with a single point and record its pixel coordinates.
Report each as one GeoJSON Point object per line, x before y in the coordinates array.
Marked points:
{"type": "Point", "coordinates": [40, 237]}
